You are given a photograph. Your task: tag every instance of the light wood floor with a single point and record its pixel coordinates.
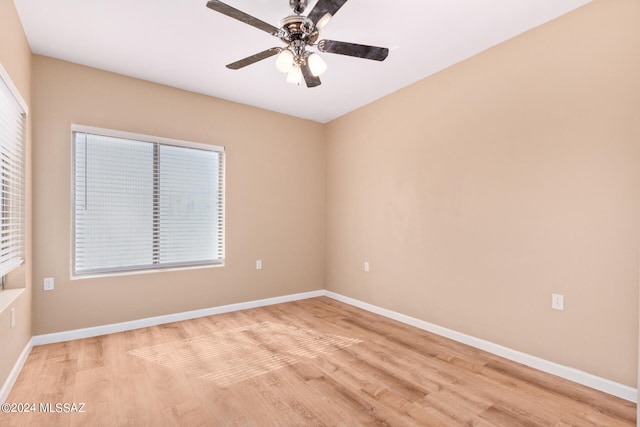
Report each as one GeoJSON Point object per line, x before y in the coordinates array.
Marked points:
{"type": "Point", "coordinates": [313, 362]}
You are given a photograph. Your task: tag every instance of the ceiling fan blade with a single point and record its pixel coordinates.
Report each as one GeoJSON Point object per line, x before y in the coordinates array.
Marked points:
{"type": "Point", "coordinates": [353, 49]}
{"type": "Point", "coordinates": [323, 7]}
{"type": "Point", "coordinates": [234, 13]}
{"type": "Point", "coordinates": [309, 78]}
{"type": "Point", "coordinates": [254, 58]}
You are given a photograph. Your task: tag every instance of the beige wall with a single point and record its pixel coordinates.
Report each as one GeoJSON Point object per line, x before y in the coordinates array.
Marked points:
{"type": "Point", "coordinates": [478, 192]}
{"type": "Point", "coordinates": [15, 56]}
{"type": "Point", "coordinates": [274, 198]}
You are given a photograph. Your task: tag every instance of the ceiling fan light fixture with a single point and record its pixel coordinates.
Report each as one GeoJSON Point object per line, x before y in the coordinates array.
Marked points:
{"type": "Point", "coordinates": [284, 62]}
{"type": "Point", "coordinates": [324, 20]}
{"type": "Point", "coordinates": [294, 76]}
{"type": "Point", "coordinates": [316, 64]}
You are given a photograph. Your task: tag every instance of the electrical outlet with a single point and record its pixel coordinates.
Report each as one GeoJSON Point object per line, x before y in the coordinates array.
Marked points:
{"type": "Point", "coordinates": [259, 264]}
{"type": "Point", "coordinates": [48, 283]}
{"type": "Point", "coordinates": [366, 266]}
{"type": "Point", "coordinates": [557, 301]}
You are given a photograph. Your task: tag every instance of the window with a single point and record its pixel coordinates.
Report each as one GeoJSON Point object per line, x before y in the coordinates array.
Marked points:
{"type": "Point", "coordinates": [142, 202]}
{"type": "Point", "coordinates": [13, 111]}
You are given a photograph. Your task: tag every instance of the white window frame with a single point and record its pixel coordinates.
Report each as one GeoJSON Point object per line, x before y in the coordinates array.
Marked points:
{"type": "Point", "coordinates": [75, 128]}
{"type": "Point", "coordinates": [12, 243]}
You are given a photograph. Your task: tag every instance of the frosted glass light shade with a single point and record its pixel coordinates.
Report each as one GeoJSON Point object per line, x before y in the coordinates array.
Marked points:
{"type": "Point", "coordinates": [316, 64]}
{"type": "Point", "coordinates": [294, 76]}
{"type": "Point", "coordinates": [324, 20]}
{"type": "Point", "coordinates": [284, 62]}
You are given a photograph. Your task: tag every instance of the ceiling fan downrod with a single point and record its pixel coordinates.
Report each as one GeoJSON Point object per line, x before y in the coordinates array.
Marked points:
{"type": "Point", "coordinates": [298, 6]}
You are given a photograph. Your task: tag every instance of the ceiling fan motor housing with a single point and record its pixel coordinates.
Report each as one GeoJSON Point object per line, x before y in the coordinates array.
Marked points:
{"type": "Point", "coordinates": [298, 27]}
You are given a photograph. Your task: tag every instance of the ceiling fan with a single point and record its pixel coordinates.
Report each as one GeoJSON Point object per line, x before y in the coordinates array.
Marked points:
{"type": "Point", "coordinates": [299, 33]}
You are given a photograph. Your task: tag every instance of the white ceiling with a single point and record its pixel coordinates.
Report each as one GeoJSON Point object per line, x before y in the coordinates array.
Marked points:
{"type": "Point", "coordinates": [184, 44]}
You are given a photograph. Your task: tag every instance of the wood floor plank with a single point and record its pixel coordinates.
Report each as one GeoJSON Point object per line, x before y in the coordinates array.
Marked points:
{"type": "Point", "coordinates": [315, 362]}
{"type": "Point", "coordinates": [565, 390]}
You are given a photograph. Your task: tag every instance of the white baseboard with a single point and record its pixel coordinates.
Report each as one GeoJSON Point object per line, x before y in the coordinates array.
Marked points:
{"type": "Point", "coordinates": [169, 318]}
{"type": "Point", "coordinates": [580, 377]}
{"type": "Point", "coordinates": [575, 375]}
{"type": "Point", "coordinates": [15, 371]}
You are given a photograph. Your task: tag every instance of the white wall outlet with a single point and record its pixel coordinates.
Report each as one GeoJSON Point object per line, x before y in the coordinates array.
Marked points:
{"type": "Point", "coordinates": [48, 283]}
{"type": "Point", "coordinates": [12, 317]}
{"type": "Point", "coordinates": [557, 301]}
{"type": "Point", "coordinates": [366, 266]}
{"type": "Point", "coordinates": [259, 264]}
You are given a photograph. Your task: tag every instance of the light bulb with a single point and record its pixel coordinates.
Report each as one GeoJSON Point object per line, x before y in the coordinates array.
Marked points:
{"type": "Point", "coordinates": [324, 20]}
{"type": "Point", "coordinates": [294, 76]}
{"type": "Point", "coordinates": [284, 61]}
{"type": "Point", "coordinates": [316, 64]}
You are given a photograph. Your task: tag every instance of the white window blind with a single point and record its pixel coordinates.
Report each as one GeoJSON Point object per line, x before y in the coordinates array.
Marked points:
{"type": "Point", "coordinates": [12, 140]}
{"type": "Point", "coordinates": [143, 203]}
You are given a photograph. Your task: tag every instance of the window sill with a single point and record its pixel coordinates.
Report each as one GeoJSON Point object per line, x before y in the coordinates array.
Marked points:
{"type": "Point", "coordinates": [8, 296]}
{"type": "Point", "coordinates": [148, 271]}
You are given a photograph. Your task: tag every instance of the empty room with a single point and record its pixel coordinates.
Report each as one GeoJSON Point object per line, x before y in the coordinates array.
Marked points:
{"type": "Point", "coordinates": [323, 212]}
